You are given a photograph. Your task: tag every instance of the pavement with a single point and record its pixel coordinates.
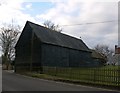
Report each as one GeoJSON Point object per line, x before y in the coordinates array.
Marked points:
{"type": "Point", "coordinates": [16, 82]}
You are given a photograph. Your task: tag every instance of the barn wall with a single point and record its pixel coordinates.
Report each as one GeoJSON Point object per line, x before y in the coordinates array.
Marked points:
{"type": "Point", "coordinates": [36, 53]}
{"type": "Point", "coordinates": [23, 49]}
{"type": "Point", "coordinates": [79, 58]}
{"type": "Point", "coordinates": [54, 56]}
{"type": "Point", "coordinates": [64, 57]}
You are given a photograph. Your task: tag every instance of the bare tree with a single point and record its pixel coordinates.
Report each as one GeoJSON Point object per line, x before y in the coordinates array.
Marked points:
{"type": "Point", "coordinates": [104, 50]}
{"type": "Point", "coordinates": [8, 39]}
{"type": "Point", "coordinates": [52, 26]}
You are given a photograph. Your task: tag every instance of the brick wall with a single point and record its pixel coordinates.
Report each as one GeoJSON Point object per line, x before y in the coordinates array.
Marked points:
{"type": "Point", "coordinates": [117, 49]}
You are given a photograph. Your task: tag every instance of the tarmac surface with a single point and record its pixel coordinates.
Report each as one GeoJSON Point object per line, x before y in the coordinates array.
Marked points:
{"type": "Point", "coordinates": [15, 82]}
{"type": "Point", "coordinates": [0, 77]}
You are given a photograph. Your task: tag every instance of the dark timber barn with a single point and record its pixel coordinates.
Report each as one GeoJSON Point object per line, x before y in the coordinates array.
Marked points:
{"type": "Point", "coordinates": [39, 46]}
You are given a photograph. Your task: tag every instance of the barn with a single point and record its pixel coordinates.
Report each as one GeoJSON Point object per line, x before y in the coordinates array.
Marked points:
{"type": "Point", "coordinates": [39, 46]}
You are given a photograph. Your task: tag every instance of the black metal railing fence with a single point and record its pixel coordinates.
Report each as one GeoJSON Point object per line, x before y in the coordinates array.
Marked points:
{"type": "Point", "coordinates": [106, 76]}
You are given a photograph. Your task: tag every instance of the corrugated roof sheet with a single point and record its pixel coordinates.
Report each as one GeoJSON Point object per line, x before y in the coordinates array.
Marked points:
{"type": "Point", "coordinates": [57, 38]}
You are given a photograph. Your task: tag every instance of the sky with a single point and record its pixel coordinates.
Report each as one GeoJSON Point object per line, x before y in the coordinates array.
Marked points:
{"type": "Point", "coordinates": [67, 13]}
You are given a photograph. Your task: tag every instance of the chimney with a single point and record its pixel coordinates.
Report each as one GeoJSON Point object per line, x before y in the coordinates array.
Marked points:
{"type": "Point", "coordinates": [116, 50]}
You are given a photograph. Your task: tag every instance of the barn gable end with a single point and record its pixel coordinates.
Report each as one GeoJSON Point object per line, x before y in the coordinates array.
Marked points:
{"type": "Point", "coordinates": [23, 47]}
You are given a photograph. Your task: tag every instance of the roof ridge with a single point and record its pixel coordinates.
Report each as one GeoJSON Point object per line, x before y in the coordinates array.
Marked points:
{"type": "Point", "coordinates": [33, 23]}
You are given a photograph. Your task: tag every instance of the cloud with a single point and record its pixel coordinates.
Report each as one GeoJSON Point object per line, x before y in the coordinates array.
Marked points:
{"type": "Point", "coordinates": [14, 4]}
{"type": "Point", "coordinates": [69, 12]}
{"type": "Point", "coordinates": [65, 13]}
{"type": "Point", "coordinates": [12, 10]}
{"type": "Point", "coordinates": [29, 6]}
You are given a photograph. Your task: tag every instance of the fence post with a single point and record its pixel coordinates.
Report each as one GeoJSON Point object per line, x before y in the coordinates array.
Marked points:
{"type": "Point", "coordinates": [55, 71]}
{"type": "Point", "coordinates": [70, 72]}
{"type": "Point", "coordinates": [118, 75]}
{"type": "Point", "coordinates": [94, 74]}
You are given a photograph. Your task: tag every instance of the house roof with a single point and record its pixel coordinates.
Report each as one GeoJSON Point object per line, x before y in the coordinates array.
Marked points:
{"type": "Point", "coordinates": [56, 38]}
{"type": "Point", "coordinates": [96, 55]}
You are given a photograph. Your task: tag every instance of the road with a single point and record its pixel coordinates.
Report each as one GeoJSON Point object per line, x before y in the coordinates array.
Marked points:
{"type": "Point", "coordinates": [15, 82]}
{"type": "Point", "coordinates": [0, 77]}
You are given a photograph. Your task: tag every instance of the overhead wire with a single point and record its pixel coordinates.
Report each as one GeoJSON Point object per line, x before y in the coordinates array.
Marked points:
{"type": "Point", "coordinates": [89, 23]}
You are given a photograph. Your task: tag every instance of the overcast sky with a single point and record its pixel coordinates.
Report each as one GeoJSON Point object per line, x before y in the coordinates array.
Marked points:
{"type": "Point", "coordinates": [67, 12]}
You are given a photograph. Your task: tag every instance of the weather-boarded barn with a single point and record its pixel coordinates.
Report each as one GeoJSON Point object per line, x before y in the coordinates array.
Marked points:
{"type": "Point", "coordinates": [39, 46]}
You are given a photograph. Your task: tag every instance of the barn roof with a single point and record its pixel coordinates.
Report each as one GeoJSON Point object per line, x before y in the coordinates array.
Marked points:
{"type": "Point", "coordinates": [57, 38]}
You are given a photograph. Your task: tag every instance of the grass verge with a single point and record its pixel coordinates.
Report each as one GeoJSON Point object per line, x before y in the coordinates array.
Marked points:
{"type": "Point", "coordinates": [66, 80]}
